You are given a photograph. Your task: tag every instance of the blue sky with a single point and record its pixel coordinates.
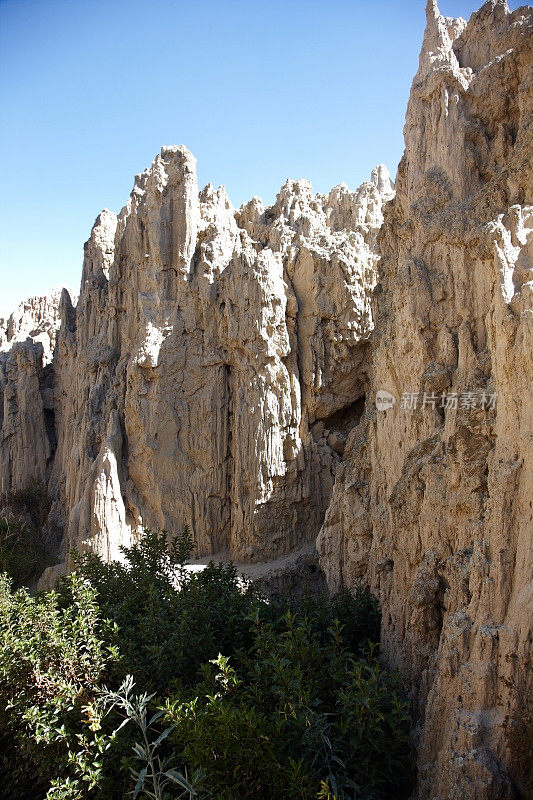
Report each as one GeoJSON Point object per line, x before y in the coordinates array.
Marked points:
{"type": "Point", "coordinates": [91, 89]}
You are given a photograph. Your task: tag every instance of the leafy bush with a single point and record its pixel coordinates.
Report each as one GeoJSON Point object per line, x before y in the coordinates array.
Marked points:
{"type": "Point", "coordinates": [32, 499]}
{"type": "Point", "coordinates": [23, 554]}
{"type": "Point", "coordinates": [171, 621]}
{"type": "Point", "coordinates": [52, 658]}
{"type": "Point", "coordinates": [156, 773]}
{"type": "Point", "coordinates": [297, 716]}
{"type": "Point", "coordinates": [297, 705]}
{"type": "Point", "coordinates": [24, 551]}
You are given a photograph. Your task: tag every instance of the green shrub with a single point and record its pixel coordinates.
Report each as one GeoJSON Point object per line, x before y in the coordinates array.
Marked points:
{"type": "Point", "coordinates": [357, 609]}
{"type": "Point", "coordinates": [32, 499]}
{"type": "Point", "coordinates": [296, 714]}
{"type": "Point", "coordinates": [154, 774]}
{"type": "Point", "coordinates": [52, 657]}
{"type": "Point", "coordinates": [171, 621]}
{"type": "Point", "coordinates": [23, 554]}
{"type": "Point", "coordinates": [24, 551]}
{"type": "Point", "coordinates": [297, 706]}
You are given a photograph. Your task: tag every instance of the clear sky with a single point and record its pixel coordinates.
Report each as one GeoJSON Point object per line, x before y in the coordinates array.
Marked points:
{"type": "Point", "coordinates": [258, 91]}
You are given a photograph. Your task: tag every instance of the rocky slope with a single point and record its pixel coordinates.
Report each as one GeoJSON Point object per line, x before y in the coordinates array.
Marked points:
{"type": "Point", "coordinates": [434, 504]}
{"type": "Point", "coordinates": [239, 370]}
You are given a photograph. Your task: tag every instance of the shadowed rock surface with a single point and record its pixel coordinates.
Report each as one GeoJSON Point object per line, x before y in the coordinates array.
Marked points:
{"type": "Point", "coordinates": [434, 506]}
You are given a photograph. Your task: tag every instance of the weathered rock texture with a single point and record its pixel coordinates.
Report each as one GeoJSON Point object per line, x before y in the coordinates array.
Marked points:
{"type": "Point", "coordinates": [433, 507]}
{"type": "Point", "coordinates": [215, 370]}
{"type": "Point", "coordinates": [211, 370]}
{"type": "Point", "coordinates": [27, 428]}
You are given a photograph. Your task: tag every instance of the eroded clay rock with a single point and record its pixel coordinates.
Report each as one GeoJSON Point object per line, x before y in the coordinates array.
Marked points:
{"type": "Point", "coordinates": [37, 319]}
{"type": "Point", "coordinates": [221, 369]}
{"type": "Point", "coordinates": [223, 349]}
{"type": "Point", "coordinates": [27, 426]}
{"type": "Point", "coordinates": [433, 504]}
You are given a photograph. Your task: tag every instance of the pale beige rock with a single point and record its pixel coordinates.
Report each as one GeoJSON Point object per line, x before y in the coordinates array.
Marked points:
{"type": "Point", "coordinates": [215, 340]}
{"type": "Point", "coordinates": [27, 434]}
{"type": "Point", "coordinates": [433, 508]}
{"type": "Point", "coordinates": [36, 319]}
{"type": "Point", "coordinates": [25, 445]}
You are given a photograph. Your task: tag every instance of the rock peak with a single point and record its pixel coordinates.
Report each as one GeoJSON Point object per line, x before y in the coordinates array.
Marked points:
{"type": "Point", "coordinates": [381, 179]}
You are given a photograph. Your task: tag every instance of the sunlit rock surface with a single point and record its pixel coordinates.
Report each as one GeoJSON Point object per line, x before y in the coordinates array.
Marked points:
{"type": "Point", "coordinates": [212, 367]}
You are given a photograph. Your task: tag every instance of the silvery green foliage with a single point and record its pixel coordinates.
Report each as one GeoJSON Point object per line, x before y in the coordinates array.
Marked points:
{"type": "Point", "coordinates": [156, 773]}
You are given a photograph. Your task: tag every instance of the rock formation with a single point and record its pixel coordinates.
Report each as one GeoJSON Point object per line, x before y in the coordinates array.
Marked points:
{"type": "Point", "coordinates": [27, 341]}
{"type": "Point", "coordinates": [211, 369]}
{"type": "Point", "coordinates": [434, 504]}
{"type": "Point", "coordinates": [241, 371]}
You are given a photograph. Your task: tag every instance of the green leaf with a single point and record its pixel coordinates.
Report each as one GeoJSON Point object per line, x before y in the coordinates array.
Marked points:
{"type": "Point", "coordinates": [140, 751]}
{"type": "Point", "coordinates": [162, 736]}
{"type": "Point", "coordinates": [140, 782]}
{"type": "Point", "coordinates": [156, 716]}
{"type": "Point", "coordinates": [180, 780]}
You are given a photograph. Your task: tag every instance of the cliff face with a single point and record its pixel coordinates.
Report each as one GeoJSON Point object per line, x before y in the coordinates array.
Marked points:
{"type": "Point", "coordinates": [27, 426]}
{"type": "Point", "coordinates": [211, 370]}
{"type": "Point", "coordinates": [434, 504]}
{"type": "Point", "coordinates": [241, 371]}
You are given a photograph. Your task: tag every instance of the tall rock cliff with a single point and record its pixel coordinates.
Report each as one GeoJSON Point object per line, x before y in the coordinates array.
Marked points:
{"type": "Point", "coordinates": [27, 425]}
{"type": "Point", "coordinates": [353, 366]}
{"type": "Point", "coordinates": [433, 506]}
{"type": "Point", "coordinates": [211, 369]}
